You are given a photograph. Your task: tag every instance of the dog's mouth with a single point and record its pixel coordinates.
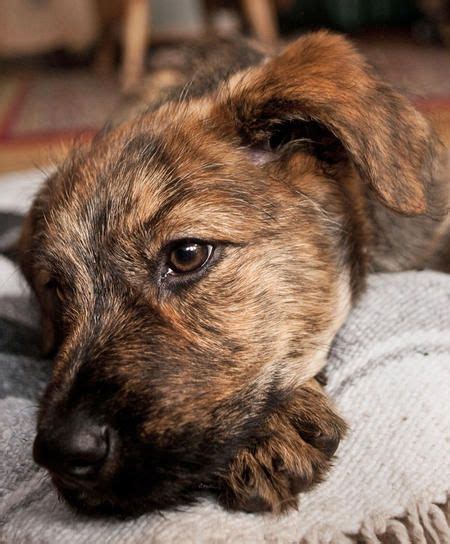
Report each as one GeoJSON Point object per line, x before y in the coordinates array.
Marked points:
{"type": "Point", "coordinates": [83, 498]}
{"type": "Point", "coordinates": [94, 501]}
{"type": "Point", "coordinates": [87, 503]}
{"type": "Point", "coordinates": [91, 501]}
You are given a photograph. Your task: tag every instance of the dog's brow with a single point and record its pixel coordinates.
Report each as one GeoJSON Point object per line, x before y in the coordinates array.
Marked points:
{"type": "Point", "coordinates": [172, 200]}
{"type": "Point", "coordinates": [143, 147]}
{"type": "Point", "coordinates": [149, 150]}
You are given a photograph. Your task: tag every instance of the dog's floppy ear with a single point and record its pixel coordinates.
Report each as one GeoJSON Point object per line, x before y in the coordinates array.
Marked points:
{"type": "Point", "coordinates": [322, 81]}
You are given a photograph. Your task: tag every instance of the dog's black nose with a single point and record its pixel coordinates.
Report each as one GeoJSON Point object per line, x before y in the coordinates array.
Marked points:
{"type": "Point", "coordinates": [75, 449]}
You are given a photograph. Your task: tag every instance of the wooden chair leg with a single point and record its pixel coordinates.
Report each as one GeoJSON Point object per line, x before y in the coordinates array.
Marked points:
{"type": "Point", "coordinates": [135, 37]}
{"type": "Point", "coordinates": [262, 17]}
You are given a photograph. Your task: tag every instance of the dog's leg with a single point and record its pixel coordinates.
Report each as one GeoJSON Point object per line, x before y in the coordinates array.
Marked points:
{"type": "Point", "coordinates": [302, 438]}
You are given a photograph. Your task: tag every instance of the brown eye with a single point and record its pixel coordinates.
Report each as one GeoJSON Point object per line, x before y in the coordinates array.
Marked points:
{"type": "Point", "coordinates": [54, 287]}
{"type": "Point", "coordinates": [189, 257]}
{"type": "Point", "coordinates": [59, 293]}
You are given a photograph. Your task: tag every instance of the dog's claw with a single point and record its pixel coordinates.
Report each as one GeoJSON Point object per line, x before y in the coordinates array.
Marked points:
{"type": "Point", "coordinates": [327, 444]}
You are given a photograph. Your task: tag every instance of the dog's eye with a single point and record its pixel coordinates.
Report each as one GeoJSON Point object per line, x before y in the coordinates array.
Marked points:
{"type": "Point", "coordinates": [188, 256]}
{"type": "Point", "coordinates": [55, 288]}
{"type": "Point", "coordinates": [59, 293]}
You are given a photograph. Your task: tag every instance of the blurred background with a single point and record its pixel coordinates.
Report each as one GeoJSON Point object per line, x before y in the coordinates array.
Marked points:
{"type": "Point", "coordinates": [65, 64]}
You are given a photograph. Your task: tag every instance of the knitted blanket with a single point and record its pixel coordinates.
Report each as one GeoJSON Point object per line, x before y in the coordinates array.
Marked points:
{"type": "Point", "coordinates": [389, 374]}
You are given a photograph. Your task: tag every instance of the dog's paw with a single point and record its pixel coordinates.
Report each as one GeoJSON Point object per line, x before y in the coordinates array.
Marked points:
{"type": "Point", "coordinates": [297, 453]}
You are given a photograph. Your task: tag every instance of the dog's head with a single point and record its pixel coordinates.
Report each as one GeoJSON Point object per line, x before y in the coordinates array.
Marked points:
{"type": "Point", "coordinates": [193, 266]}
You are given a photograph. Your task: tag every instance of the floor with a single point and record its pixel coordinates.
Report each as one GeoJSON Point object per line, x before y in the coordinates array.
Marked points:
{"type": "Point", "coordinates": [43, 110]}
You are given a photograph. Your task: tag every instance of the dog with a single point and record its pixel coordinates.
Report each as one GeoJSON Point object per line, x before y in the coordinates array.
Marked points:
{"type": "Point", "coordinates": [194, 262]}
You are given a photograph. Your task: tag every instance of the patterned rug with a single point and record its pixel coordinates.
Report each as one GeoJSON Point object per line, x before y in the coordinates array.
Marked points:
{"type": "Point", "coordinates": [42, 112]}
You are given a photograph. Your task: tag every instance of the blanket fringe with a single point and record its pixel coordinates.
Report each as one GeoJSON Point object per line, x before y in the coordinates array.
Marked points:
{"type": "Point", "coordinates": [424, 522]}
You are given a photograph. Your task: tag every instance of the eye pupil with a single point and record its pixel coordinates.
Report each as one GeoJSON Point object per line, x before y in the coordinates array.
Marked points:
{"type": "Point", "coordinates": [188, 257]}
{"type": "Point", "coordinates": [186, 254]}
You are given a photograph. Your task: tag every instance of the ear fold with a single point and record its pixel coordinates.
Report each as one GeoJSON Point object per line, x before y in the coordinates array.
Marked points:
{"type": "Point", "coordinates": [320, 78]}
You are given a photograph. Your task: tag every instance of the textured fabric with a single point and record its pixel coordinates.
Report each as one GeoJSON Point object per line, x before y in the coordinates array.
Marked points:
{"type": "Point", "coordinates": [389, 374]}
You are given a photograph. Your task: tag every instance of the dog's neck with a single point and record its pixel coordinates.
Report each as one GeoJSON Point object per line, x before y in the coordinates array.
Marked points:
{"type": "Point", "coordinates": [375, 238]}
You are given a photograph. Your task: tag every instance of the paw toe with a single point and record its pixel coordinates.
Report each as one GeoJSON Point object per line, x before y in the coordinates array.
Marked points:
{"type": "Point", "coordinates": [326, 442]}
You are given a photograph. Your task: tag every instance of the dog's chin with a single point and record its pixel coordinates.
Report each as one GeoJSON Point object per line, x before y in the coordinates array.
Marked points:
{"type": "Point", "coordinates": [95, 505]}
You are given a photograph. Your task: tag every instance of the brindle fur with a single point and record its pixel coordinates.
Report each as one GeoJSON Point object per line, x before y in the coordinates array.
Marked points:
{"type": "Point", "coordinates": [306, 172]}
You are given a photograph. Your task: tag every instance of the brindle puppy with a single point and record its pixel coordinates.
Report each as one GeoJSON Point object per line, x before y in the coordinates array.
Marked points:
{"type": "Point", "coordinates": [194, 263]}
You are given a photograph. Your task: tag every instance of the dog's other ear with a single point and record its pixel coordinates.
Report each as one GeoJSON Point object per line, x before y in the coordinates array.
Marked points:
{"type": "Point", "coordinates": [322, 81]}
{"type": "Point", "coordinates": [23, 254]}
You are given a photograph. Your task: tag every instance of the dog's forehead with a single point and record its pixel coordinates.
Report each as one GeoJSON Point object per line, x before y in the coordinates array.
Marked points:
{"type": "Point", "coordinates": [186, 182]}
